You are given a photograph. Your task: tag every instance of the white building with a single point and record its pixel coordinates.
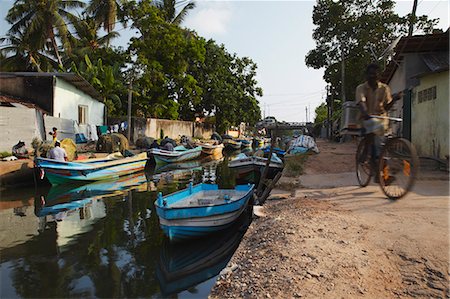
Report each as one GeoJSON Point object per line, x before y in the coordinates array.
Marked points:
{"type": "Point", "coordinates": [32, 103]}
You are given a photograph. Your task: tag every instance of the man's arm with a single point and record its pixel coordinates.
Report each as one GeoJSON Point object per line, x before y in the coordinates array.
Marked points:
{"type": "Point", "coordinates": [360, 98]}
{"type": "Point", "coordinates": [390, 99]}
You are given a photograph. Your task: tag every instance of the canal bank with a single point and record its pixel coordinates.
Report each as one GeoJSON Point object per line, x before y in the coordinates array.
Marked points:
{"type": "Point", "coordinates": [328, 238]}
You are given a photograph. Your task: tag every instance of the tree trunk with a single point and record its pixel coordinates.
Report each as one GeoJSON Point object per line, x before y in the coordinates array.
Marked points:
{"type": "Point", "coordinates": [55, 47]}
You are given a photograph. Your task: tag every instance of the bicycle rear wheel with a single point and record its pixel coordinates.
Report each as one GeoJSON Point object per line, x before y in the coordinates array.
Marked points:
{"type": "Point", "coordinates": [398, 167]}
{"type": "Point", "coordinates": [363, 161]}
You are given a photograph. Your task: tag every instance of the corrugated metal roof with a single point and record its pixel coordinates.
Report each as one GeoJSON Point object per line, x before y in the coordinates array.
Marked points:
{"type": "Point", "coordinates": [436, 61]}
{"type": "Point", "coordinates": [430, 43]}
{"type": "Point", "coordinates": [72, 78]}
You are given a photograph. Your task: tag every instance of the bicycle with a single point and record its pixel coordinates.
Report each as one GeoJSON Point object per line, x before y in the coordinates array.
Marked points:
{"type": "Point", "coordinates": [398, 163]}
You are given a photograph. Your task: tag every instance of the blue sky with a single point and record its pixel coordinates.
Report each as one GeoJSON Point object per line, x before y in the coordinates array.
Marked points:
{"type": "Point", "coordinates": [276, 35]}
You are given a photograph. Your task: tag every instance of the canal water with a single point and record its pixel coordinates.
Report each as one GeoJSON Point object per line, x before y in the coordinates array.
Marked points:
{"type": "Point", "coordinates": [103, 239]}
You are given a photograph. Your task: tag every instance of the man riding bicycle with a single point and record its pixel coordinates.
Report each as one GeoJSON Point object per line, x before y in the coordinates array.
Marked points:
{"type": "Point", "coordinates": [374, 98]}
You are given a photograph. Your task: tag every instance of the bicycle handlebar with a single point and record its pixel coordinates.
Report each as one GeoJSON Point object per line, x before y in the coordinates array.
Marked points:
{"type": "Point", "coordinates": [387, 117]}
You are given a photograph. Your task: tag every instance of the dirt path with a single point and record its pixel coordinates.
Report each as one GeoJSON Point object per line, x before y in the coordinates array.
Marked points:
{"type": "Point", "coordinates": [331, 239]}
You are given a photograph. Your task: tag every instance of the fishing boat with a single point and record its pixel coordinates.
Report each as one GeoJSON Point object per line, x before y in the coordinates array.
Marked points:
{"type": "Point", "coordinates": [111, 167]}
{"type": "Point", "coordinates": [211, 149]}
{"type": "Point", "coordinates": [200, 210]}
{"type": "Point", "coordinates": [245, 164]}
{"type": "Point", "coordinates": [232, 144]}
{"type": "Point", "coordinates": [179, 154]}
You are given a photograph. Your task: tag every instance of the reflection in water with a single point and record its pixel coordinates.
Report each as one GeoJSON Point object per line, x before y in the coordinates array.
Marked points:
{"type": "Point", "coordinates": [181, 267]}
{"type": "Point", "coordinates": [103, 240]}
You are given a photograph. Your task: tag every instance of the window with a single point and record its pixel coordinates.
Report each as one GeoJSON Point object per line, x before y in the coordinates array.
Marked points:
{"type": "Point", "coordinates": [82, 114]}
{"type": "Point", "coordinates": [427, 94]}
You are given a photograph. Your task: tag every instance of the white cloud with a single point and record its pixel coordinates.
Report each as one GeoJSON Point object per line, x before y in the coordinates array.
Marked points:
{"type": "Point", "coordinates": [210, 18]}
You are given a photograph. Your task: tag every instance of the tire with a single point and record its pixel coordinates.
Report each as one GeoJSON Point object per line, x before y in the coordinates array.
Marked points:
{"type": "Point", "coordinates": [363, 161]}
{"type": "Point", "coordinates": [398, 159]}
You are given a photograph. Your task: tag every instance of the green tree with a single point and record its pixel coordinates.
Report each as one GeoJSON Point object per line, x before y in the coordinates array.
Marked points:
{"type": "Point", "coordinates": [87, 39]}
{"type": "Point", "coordinates": [169, 10]}
{"type": "Point", "coordinates": [229, 87]}
{"type": "Point", "coordinates": [44, 20]}
{"type": "Point", "coordinates": [321, 113]}
{"type": "Point", "coordinates": [105, 13]}
{"type": "Point", "coordinates": [20, 54]}
{"type": "Point", "coordinates": [360, 30]}
{"type": "Point", "coordinates": [163, 54]}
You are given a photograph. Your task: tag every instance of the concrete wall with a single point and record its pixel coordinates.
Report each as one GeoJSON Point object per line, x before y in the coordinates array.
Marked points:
{"type": "Point", "coordinates": [67, 98]}
{"type": "Point", "coordinates": [404, 79]}
{"type": "Point", "coordinates": [430, 119]}
{"type": "Point", "coordinates": [172, 128]}
{"type": "Point", "coordinates": [65, 127]}
{"type": "Point", "coordinates": [151, 127]}
{"type": "Point", "coordinates": [17, 124]}
{"type": "Point", "coordinates": [203, 131]}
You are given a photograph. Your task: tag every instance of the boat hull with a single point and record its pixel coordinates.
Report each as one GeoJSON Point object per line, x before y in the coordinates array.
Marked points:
{"type": "Point", "coordinates": [212, 150]}
{"type": "Point", "coordinates": [59, 176]}
{"type": "Point", "coordinates": [62, 172]}
{"type": "Point", "coordinates": [173, 157]}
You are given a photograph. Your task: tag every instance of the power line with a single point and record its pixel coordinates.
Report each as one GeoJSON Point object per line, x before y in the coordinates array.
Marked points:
{"type": "Point", "coordinates": [291, 94]}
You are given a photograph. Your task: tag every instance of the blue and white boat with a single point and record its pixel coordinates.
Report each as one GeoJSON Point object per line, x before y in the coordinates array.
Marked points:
{"type": "Point", "coordinates": [200, 210]}
{"type": "Point", "coordinates": [276, 150]}
{"type": "Point", "coordinates": [179, 154]}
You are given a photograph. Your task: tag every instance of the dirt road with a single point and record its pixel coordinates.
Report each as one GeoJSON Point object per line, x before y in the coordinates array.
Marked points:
{"type": "Point", "coordinates": [332, 239]}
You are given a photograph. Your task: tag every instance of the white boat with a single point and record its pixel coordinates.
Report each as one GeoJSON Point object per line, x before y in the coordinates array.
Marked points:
{"type": "Point", "coordinates": [245, 164]}
{"type": "Point", "coordinates": [179, 154]}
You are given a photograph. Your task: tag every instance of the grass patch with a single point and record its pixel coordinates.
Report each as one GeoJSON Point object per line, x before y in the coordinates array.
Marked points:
{"type": "Point", "coordinates": [5, 154]}
{"type": "Point", "coordinates": [294, 165]}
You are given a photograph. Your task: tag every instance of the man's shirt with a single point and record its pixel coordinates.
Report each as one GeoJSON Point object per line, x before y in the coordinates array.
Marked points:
{"type": "Point", "coordinates": [57, 153]}
{"type": "Point", "coordinates": [375, 99]}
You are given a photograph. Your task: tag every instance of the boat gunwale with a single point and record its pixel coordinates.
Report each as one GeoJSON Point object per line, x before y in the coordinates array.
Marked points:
{"type": "Point", "coordinates": [166, 208]}
{"type": "Point", "coordinates": [75, 166]}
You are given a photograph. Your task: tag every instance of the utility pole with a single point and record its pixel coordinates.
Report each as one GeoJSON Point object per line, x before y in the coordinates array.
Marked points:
{"type": "Point", "coordinates": [309, 114]}
{"type": "Point", "coordinates": [130, 94]}
{"type": "Point", "coordinates": [331, 111]}
{"type": "Point", "coordinates": [413, 18]}
{"type": "Point", "coordinates": [306, 114]}
{"type": "Point", "coordinates": [342, 74]}
{"type": "Point", "coordinates": [328, 111]}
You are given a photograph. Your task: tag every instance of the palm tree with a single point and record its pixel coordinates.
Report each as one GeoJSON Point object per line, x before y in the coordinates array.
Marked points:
{"type": "Point", "coordinates": [104, 12]}
{"type": "Point", "coordinates": [44, 21]}
{"type": "Point", "coordinates": [87, 39]}
{"type": "Point", "coordinates": [170, 7]}
{"type": "Point", "coordinates": [21, 54]}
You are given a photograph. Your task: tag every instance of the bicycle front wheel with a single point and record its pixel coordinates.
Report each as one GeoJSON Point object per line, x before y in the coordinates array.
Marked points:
{"type": "Point", "coordinates": [398, 168]}
{"type": "Point", "coordinates": [363, 161]}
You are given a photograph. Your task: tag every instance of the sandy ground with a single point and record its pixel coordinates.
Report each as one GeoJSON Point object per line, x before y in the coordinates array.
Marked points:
{"type": "Point", "coordinates": [329, 238]}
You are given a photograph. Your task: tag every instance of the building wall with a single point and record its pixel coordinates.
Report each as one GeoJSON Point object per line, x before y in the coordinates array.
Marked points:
{"type": "Point", "coordinates": [67, 98]}
{"type": "Point", "coordinates": [151, 127]}
{"type": "Point", "coordinates": [171, 128]}
{"type": "Point", "coordinates": [430, 119]}
{"type": "Point", "coordinates": [13, 127]}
